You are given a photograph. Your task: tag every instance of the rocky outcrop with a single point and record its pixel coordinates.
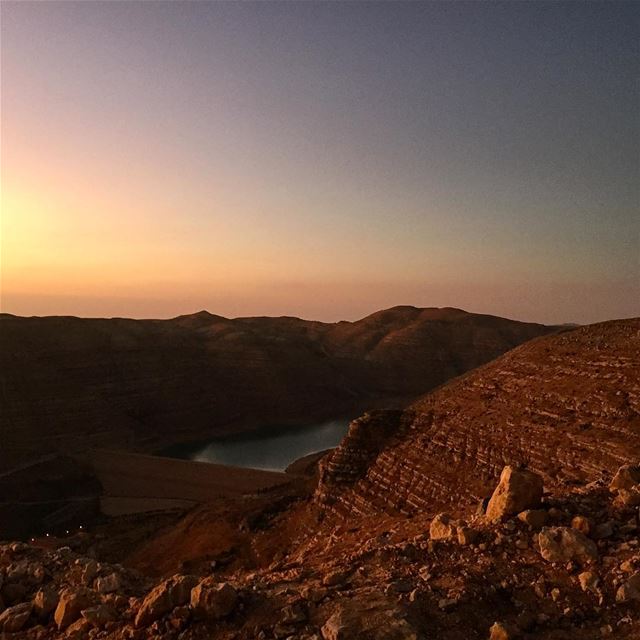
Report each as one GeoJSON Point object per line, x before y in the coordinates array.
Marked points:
{"type": "Point", "coordinates": [348, 463]}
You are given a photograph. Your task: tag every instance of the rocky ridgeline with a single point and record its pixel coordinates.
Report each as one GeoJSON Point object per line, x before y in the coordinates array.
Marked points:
{"type": "Point", "coordinates": [567, 406]}
{"type": "Point", "coordinates": [525, 564]}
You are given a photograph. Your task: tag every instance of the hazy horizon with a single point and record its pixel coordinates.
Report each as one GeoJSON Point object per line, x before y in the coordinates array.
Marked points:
{"type": "Point", "coordinates": [320, 160]}
{"type": "Point", "coordinates": [332, 320]}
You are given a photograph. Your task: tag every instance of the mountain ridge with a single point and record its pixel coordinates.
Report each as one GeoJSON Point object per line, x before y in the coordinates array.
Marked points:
{"type": "Point", "coordinates": [143, 384]}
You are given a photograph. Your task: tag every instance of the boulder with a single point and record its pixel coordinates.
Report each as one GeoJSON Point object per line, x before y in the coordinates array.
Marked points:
{"type": "Point", "coordinates": [45, 602]}
{"type": "Point", "coordinates": [627, 477]}
{"type": "Point", "coordinates": [212, 599]}
{"type": "Point", "coordinates": [79, 630]}
{"type": "Point", "coordinates": [294, 614]}
{"type": "Point", "coordinates": [70, 605]}
{"type": "Point", "coordinates": [630, 590]}
{"type": "Point", "coordinates": [563, 544]}
{"type": "Point", "coordinates": [518, 490]}
{"type": "Point", "coordinates": [443, 527]}
{"type": "Point", "coordinates": [14, 618]}
{"type": "Point", "coordinates": [626, 483]}
{"type": "Point", "coordinates": [589, 581]}
{"type": "Point", "coordinates": [467, 535]}
{"type": "Point", "coordinates": [170, 593]}
{"type": "Point", "coordinates": [582, 524]}
{"type": "Point", "coordinates": [108, 584]}
{"type": "Point", "coordinates": [359, 622]}
{"type": "Point", "coordinates": [535, 518]}
{"type": "Point", "coordinates": [100, 615]}
{"type": "Point", "coordinates": [501, 631]}
{"type": "Point", "coordinates": [89, 572]}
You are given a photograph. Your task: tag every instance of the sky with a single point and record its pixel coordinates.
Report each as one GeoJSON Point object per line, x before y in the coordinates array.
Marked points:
{"type": "Point", "coordinates": [320, 159]}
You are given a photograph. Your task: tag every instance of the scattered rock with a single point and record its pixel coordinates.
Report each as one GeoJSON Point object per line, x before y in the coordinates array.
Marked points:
{"type": "Point", "coordinates": [442, 527]}
{"type": "Point", "coordinates": [294, 614]}
{"type": "Point", "coordinates": [100, 615]}
{"type": "Point", "coordinates": [45, 602]}
{"type": "Point", "coordinates": [79, 630]}
{"type": "Point", "coordinates": [335, 578]}
{"type": "Point", "coordinates": [589, 581]}
{"type": "Point", "coordinates": [353, 622]}
{"type": "Point", "coordinates": [561, 544]}
{"type": "Point", "coordinates": [108, 584]}
{"type": "Point", "coordinates": [70, 605]}
{"type": "Point", "coordinates": [212, 599]}
{"type": "Point", "coordinates": [630, 590]}
{"type": "Point", "coordinates": [535, 518]}
{"type": "Point", "coordinates": [170, 593]}
{"type": "Point", "coordinates": [626, 483]}
{"type": "Point", "coordinates": [500, 631]}
{"type": "Point", "coordinates": [627, 477]}
{"type": "Point", "coordinates": [89, 572]}
{"type": "Point", "coordinates": [627, 566]}
{"type": "Point", "coordinates": [582, 524]}
{"type": "Point", "coordinates": [14, 618]}
{"type": "Point", "coordinates": [467, 535]}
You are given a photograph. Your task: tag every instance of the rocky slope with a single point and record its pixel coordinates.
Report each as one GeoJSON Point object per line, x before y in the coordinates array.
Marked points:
{"type": "Point", "coordinates": [567, 406]}
{"type": "Point", "coordinates": [69, 383]}
{"type": "Point", "coordinates": [568, 567]}
{"type": "Point", "coordinates": [397, 537]}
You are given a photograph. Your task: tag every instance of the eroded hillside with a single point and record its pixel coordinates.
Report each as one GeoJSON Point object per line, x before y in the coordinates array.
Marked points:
{"type": "Point", "coordinates": [567, 406]}
{"type": "Point", "coordinates": [367, 551]}
{"type": "Point", "coordinates": [69, 383]}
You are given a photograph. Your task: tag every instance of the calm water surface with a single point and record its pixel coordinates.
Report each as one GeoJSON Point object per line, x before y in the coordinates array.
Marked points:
{"type": "Point", "coordinates": [274, 448]}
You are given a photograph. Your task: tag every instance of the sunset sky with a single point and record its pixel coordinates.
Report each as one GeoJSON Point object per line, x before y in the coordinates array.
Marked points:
{"type": "Point", "coordinates": [318, 159]}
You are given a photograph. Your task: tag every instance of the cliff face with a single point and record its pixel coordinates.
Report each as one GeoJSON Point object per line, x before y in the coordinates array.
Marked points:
{"type": "Point", "coordinates": [69, 383]}
{"type": "Point", "coordinates": [567, 406]}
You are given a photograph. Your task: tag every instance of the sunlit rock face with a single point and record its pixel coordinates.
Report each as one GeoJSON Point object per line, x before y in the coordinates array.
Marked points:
{"type": "Point", "coordinates": [565, 406]}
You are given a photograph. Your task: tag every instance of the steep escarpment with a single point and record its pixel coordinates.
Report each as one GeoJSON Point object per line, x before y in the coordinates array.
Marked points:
{"type": "Point", "coordinates": [567, 406]}
{"type": "Point", "coordinates": [67, 384]}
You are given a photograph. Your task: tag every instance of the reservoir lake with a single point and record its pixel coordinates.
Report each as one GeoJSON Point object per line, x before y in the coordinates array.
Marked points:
{"type": "Point", "coordinates": [272, 448]}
